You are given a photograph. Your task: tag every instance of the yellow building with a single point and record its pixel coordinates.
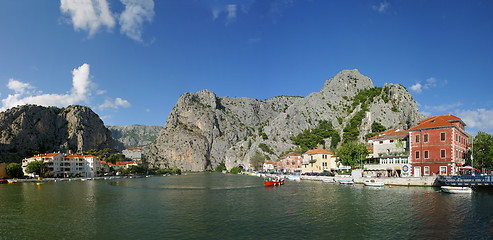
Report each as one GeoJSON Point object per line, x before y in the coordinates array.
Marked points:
{"type": "Point", "coordinates": [317, 161]}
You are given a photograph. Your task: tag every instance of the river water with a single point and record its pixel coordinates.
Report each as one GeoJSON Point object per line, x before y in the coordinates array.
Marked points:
{"type": "Point", "coordinates": [223, 206]}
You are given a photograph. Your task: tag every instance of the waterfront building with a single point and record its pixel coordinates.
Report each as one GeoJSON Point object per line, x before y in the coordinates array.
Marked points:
{"type": "Point", "coordinates": [124, 164]}
{"type": "Point", "coordinates": [438, 145]}
{"type": "Point", "coordinates": [59, 165]}
{"type": "Point", "coordinates": [317, 161]}
{"type": "Point", "coordinates": [291, 162]}
{"type": "Point", "coordinates": [269, 166]}
{"type": "Point", "coordinates": [390, 153]}
{"type": "Point", "coordinates": [134, 153]}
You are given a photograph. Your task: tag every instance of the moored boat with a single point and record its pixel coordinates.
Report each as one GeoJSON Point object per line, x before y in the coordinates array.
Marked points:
{"type": "Point", "coordinates": [273, 182]}
{"type": "Point", "coordinates": [456, 189]}
{"type": "Point", "coordinates": [328, 180]}
{"type": "Point", "coordinates": [4, 181]}
{"type": "Point", "coordinates": [344, 181]}
{"type": "Point", "coordinates": [293, 178]}
{"type": "Point", "coordinates": [373, 183]}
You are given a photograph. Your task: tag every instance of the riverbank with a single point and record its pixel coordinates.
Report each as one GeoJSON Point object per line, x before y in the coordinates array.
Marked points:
{"type": "Point", "coordinates": [393, 181]}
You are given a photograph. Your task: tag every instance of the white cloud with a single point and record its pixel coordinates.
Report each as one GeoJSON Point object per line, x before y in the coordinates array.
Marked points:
{"type": "Point", "coordinates": [231, 9]}
{"type": "Point", "coordinates": [382, 7]}
{"type": "Point", "coordinates": [81, 92]}
{"type": "Point", "coordinates": [133, 17]}
{"type": "Point", "coordinates": [428, 84]}
{"type": "Point", "coordinates": [18, 86]}
{"type": "Point", "coordinates": [88, 15]}
{"type": "Point", "coordinates": [417, 88]}
{"type": "Point", "coordinates": [480, 118]}
{"type": "Point", "coordinates": [114, 104]}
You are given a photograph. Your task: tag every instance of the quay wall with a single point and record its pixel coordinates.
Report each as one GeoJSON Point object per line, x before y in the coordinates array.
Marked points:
{"type": "Point", "coordinates": [395, 181]}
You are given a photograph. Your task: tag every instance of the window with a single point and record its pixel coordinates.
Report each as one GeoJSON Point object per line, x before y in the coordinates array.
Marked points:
{"type": "Point", "coordinates": [443, 170]}
{"type": "Point", "coordinates": [417, 138]}
{"type": "Point", "coordinates": [427, 170]}
{"type": "Point", "coordinates": [442, 136]}
{"type": "Point", "coordinates": [381, 142]}
{"type": "Point", "coordinates": [417, 154]}
{"type": "Point", "coordinates": [426, 154]}
{"type": "Point", "coordinates": [391, 140]}
{"type": "Point", "coordinates": [425, 138]}
{"type": "Point", "coordinates": [442, 153]}
{"type": "Point", "coordinates": [456, 137]}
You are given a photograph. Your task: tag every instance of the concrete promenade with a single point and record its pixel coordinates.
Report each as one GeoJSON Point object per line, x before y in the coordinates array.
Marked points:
{"type": "Point", "coordinates": [395, 181]}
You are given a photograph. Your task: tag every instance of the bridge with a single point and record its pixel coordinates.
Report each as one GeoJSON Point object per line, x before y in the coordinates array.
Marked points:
{"type": "Point", "coordinates": [466, 180]}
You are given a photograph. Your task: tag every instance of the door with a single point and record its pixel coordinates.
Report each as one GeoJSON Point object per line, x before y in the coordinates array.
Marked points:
{"type": "Point", "coordinates": [417, 171]}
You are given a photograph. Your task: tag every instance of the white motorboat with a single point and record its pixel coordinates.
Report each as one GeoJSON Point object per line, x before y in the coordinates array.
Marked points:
{"type": "Point", "coordinates": [328, 180]}
{"type": "Point", "coordinates": [344, 181]}
{"type": "Point", "coordinates": [373, 183]}
{"type": "Point", "coordinates": [293, 178]}
{"type": "Point", "coordinates": [456, 189]}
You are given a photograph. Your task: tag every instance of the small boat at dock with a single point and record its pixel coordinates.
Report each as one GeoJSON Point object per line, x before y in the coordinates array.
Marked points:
{"type": "Point", "coordinates": [344, 181]}
{"type": "Point", "coordinates": [373, 183]}
{"type": "Point", "coordinates": [456, 189]}
{"type": "Point", "coordinates": [329, 180]}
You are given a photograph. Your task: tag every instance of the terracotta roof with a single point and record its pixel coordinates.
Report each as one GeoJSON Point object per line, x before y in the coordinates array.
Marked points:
{"type": "Point", "coordinates": [390, 134]}
{"type": "Point", "coordinates": [437, 121]}
{"type": "Point", "coordinates": [135, 149]}
{"type": "Point", "coordinates": [45, 155]}
{"type": "Point", "coordinates": [317, 151]}
{"type": "Point", "coordinates": [269, 162]}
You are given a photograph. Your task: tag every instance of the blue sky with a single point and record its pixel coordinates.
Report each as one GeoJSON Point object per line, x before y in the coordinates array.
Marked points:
{"type": "Point", "coordinates": [131, 60]}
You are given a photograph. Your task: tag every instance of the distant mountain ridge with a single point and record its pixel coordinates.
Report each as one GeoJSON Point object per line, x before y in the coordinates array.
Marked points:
{"type": "Point", "coordinates": [134, 135]}
{"type": "Point", "coordinates": [204, 130]}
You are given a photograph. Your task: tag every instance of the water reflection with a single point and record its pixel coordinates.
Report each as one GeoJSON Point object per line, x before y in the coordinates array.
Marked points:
{"type": "Point", "coordinates": [231, 207]}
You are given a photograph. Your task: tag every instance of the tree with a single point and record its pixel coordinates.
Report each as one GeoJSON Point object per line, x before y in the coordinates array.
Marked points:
{"type": "Point", "coordinates": [483, 150]}
{"type": "Point", "coordinates": [352, 154]}
{"type": "Point", "coordinates": [257, 161]}
{"type": "Point", "coordinates": [35, 167]}
{"type": "Point", "coordinates": [14, 170]}
{"type": "Point", "coordinates": [221, 167]}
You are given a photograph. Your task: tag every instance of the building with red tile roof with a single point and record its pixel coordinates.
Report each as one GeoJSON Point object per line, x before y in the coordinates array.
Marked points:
{"type": "Point", "coordinates": [317, 161]}
{"type": "Point", "coordinates": [390, 153]}
{"type": "Point", "coordinates": [291, 162]}
{"type": "Point", "coordinates": [438, 145]}
{"type": "Point", "coordinates": [69, 165]}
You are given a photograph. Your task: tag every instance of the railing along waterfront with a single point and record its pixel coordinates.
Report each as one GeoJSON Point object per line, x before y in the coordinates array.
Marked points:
{"type": "Point", "coordinates": [466, 180]}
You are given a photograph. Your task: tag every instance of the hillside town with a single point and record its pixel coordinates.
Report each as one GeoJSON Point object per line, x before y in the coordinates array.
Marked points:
{"type": "Point", "coordinates": [437, 145]}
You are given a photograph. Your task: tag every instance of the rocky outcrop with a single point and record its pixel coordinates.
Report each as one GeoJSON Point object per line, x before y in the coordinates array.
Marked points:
{"type": "Point", "coordinates": [134, 135]}
{"type": "Point", "coordinates": [204, 130]}
{"type": "Point", "coordinates": [28, 129]}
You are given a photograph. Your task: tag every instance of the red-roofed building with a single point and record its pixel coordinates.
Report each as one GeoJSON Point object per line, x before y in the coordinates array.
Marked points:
{"type": "Point", "coordinates": [391, 153]}
{"type": "Point", "coordinates": [317, 161]}
{"type": "Point", "coordinates": [133, 153]}
{"type": "Point", "coordinates": [59, 165]}
{"type": "Point", "coordinates": [290, 163]}
{"type": "Point", "coordinates": [438, 145]}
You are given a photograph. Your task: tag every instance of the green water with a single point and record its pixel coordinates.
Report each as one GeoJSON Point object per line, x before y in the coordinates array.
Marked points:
{"type": "Point", "coordinates": [221, 206]}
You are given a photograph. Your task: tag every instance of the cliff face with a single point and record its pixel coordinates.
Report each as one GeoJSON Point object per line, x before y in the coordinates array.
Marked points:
{"type": "Point", "coordinates": [134, 135]}
{"type": "Point", "coordinates": [30, 128]}
{"type": "Point", "coordinates": [204, 130]}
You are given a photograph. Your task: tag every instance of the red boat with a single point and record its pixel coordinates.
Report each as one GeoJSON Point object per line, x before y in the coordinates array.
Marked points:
{"type": "Point", "coordinates": [273, 182]}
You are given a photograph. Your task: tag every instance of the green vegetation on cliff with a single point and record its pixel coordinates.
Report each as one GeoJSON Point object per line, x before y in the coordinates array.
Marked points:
{"type": "Point", "coordinates": [309, 139]}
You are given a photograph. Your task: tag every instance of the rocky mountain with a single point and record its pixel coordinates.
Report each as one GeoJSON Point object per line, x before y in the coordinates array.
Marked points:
{"type": "Point", "coordinates": [204, 130]}
{"type": "Point", "coordinates": [134, 135]}
{"type": "Point", "coordinates": [27, 129]}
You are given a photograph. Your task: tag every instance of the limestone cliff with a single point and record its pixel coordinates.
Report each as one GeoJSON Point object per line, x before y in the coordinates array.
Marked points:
{"type": "Point", "coordinates": [134, 135]}
{"type": "Point", "coordinates": [27, 129]}
{"type": "Point", "coordinates": [204, 130]}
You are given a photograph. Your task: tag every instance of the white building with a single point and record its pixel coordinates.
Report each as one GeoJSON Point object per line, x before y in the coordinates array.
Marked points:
{"type": "Point", "coordinates": [60, 165]}
{"type": "Point", "coordinates": [133, 153]}
{"type": "Point", "coordinates": [390, 152]}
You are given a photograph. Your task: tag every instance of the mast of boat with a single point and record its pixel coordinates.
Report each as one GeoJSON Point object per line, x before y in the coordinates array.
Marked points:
{"type": "Point", "coordinates": [472, 157]}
